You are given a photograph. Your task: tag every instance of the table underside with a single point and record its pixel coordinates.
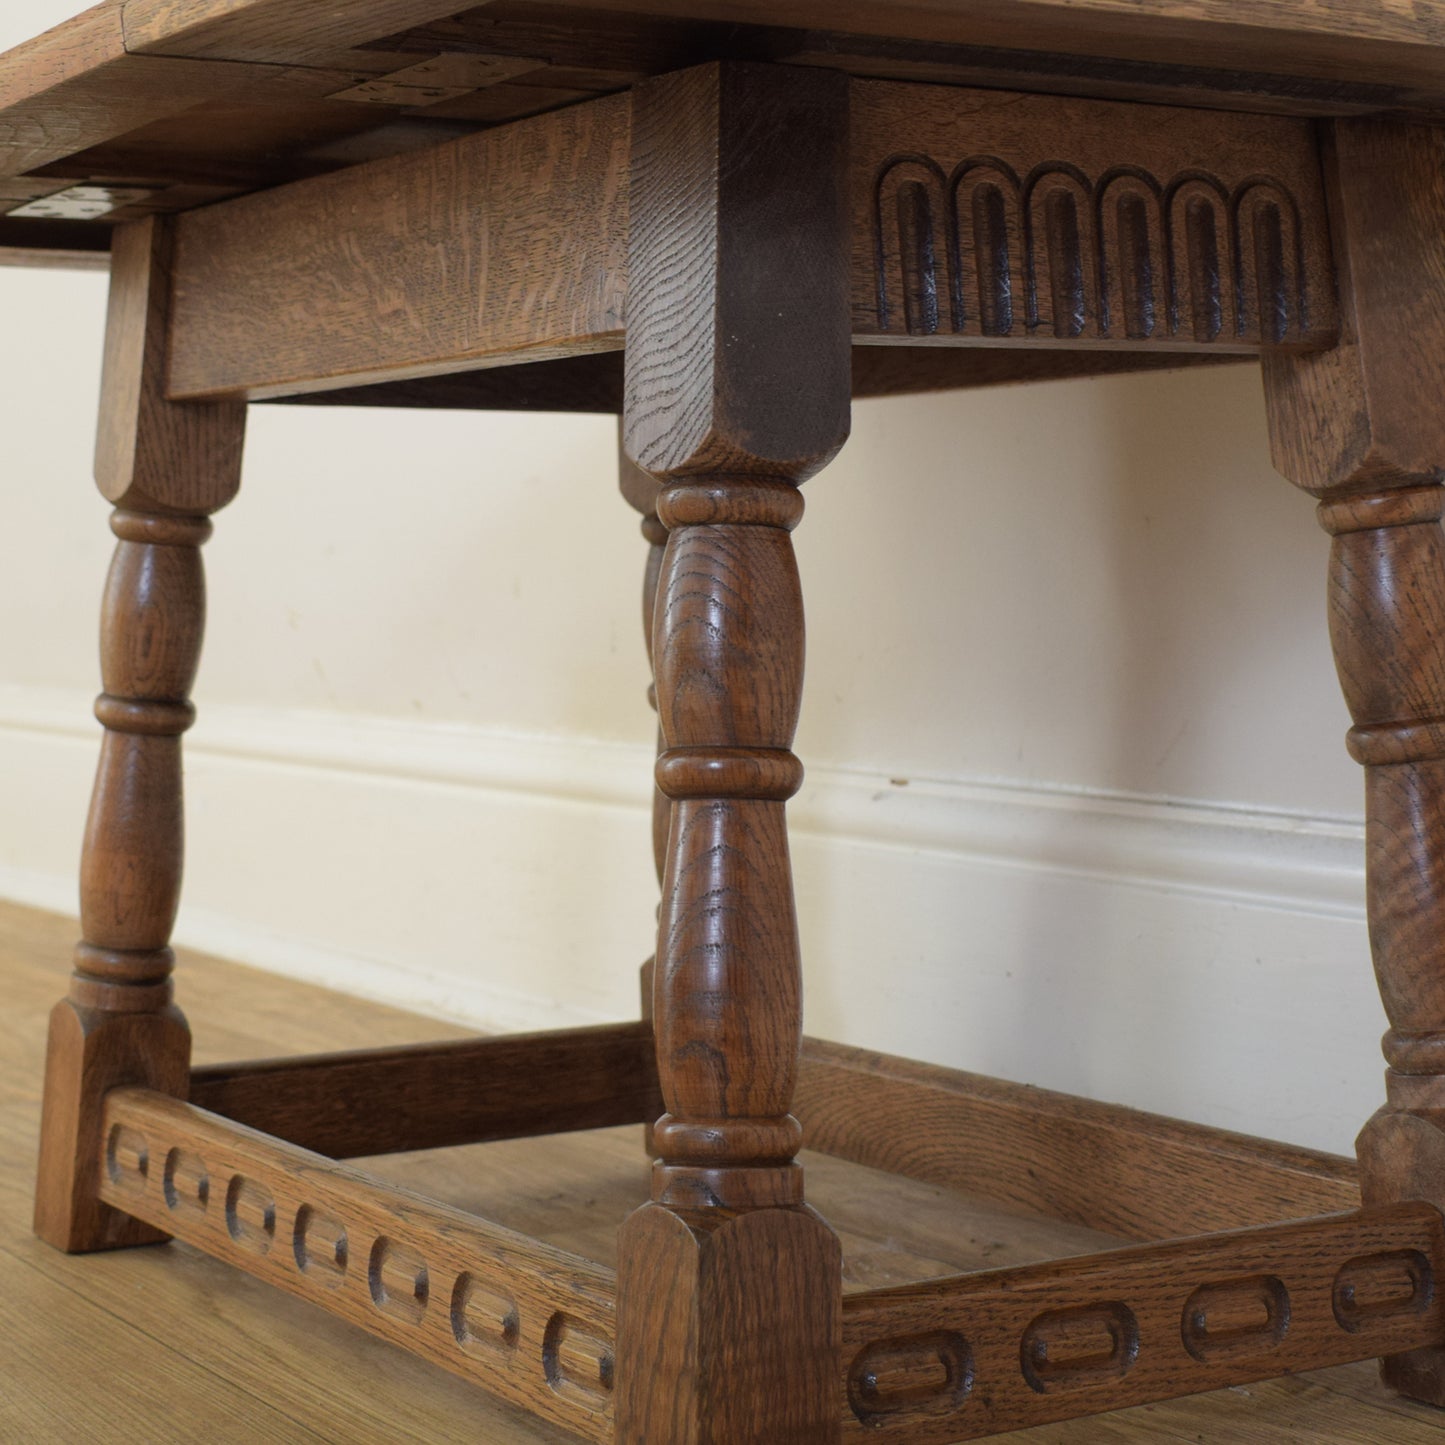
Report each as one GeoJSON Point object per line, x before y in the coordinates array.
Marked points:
{"type": "Point", "coordinates": [167, 105]}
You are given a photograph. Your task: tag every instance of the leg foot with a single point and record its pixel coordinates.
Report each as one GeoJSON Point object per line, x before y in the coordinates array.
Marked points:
{"type": "Point", "coordinates": [729, 1328]}
{"type": "Point", "coordinates": [90, 1052]}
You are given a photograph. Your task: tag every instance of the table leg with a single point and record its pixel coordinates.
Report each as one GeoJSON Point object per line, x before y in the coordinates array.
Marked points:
{"type": "Point", "coordinates": [640, 491]}
{"type": "Point", "coordinates": [166, 468]}
{"type": "Point", "coordinates": [729, 1287]}
{"type": "Point", "coordinates": [1361, 428]}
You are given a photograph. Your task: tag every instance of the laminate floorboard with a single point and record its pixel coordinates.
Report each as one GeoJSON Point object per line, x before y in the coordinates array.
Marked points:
{"type": "Point", "coordinates": [161, 1345]}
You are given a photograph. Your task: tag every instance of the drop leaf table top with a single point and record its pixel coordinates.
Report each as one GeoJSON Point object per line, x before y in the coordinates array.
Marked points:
{"type": "Point", "coordinates": [140, 106]}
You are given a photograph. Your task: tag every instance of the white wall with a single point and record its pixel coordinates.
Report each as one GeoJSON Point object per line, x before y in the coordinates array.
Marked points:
{"type": "Point", "coordinates": [1078, 808]}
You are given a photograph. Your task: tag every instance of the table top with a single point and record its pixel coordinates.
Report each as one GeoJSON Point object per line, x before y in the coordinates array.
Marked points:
{"type": "Point", "coordinates": [137, 106]}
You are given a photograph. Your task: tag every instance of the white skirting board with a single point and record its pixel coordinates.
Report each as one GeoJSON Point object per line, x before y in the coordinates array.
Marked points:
{"type": "Point", "coordinates": [1203, 961]}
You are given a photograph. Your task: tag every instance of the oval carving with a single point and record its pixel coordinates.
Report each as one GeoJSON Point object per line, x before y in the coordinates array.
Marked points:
{"type": "Point", "coordinates": [250, 1214]}
{"type": "Point", "coordinates": [127, 1158]}
{"type": "Point", "coordinates": [320, 1246]}
{"type": "Point", "coordinates": [399, 1282]}
{"type": "Point", "coordinates": [1232, 1318]}
{"type": "Point", "coordinates": [928, 1374]}
{"type": "Point", "coordinates": [579, 1363]}
{"type": "Point", "coordinates": [187, 1182]}
{"type": "Point", "coordinates": [484, 1321]}
{"type": "Point", "coordinates": [1083, 1345]}
{"type": "Point", "coordinates": [1380, 1289]}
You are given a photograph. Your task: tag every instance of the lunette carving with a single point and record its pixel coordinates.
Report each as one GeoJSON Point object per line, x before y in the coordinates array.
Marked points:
{"type": "Point", "coordinates": [983, 250]}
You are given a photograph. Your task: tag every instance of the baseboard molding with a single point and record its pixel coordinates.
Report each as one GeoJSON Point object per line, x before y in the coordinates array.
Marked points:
{"type": "Point", "coordinates": [504, 881]}
{"type": "Point", "coordinates": [1298, 861]}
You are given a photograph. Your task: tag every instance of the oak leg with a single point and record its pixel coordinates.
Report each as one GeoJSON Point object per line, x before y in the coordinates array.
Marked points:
{"type": "Point", "coordinates": [1361, 428]}
{"type": "Point", "coordinates": [166, 467]}
{"type": "Point", "coordinates": [729, 1307]}
{"type": "Point", "coordinates": [640, 491]}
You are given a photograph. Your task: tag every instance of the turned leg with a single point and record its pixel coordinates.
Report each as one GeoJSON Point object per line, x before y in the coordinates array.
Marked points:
{"type": "Point", "coordinates": [640, 491]}
{"type": "Point", "coordinates": [166, 468]}
{"type": "Point", "coordinates": [729, 1309]}
{"type": "Point", "coordinates": [1361, 427]}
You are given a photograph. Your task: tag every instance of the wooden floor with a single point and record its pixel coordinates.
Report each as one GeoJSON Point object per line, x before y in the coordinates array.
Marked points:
{"type": "Point", "coordinates": [164, 1345]}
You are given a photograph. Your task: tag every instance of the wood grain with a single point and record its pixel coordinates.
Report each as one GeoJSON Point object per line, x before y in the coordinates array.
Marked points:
{"type": "Point", "coordinates": [1351, 417]}
{"type": "Point", "coordinates": [1001, 216]}
{"type": "Point", "coordinates": [729, 1328]}
{"type": "Point", "coordinates": [152, 454]}
{"type": "Point", "coordinates": [167, 466]}
{"type": "Point", "coordinates": [1123, 1172]}
{"type": "Point", "coordinates": [277, 31]}
{"type": "Point", "coordinates": [327, 282]}
{"type": "Point", "coordinates": [1353, 427]}
{"type": "Point", "coordinates": [1232, 259]}
{"type": "Point", "coordinates": [240, 94]}
{"type": "Point", "coordinates": [593, 383]}
{"type": "Point", "coordinates": [138, 1345]}
{"type": "Point", "coordinates": [529, 1323]}
{"type": "Point", "coordinates": [77, 85]}
{"type": "Point", "coordinates": [957, 1359]}
{"type": "Point", "coordinates": [737, 387]}
{"type": "Point", "coordinates": [1335, 40]}
{"type": "Point", "coordinates": [433, 1096]}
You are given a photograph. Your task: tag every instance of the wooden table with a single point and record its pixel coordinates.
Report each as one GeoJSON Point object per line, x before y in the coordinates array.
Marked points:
{"type": "Point", "coordinates": [723, 219]}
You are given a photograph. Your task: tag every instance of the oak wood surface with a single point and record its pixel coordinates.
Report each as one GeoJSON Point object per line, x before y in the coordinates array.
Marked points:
{"type": "Point", "coordinates": [1356, 427]}
{"type": "Point", "coordinates": [283, 287]}
{"type": "Point", "coordinates": [87, 1339]}
{"type": "Point", "coordinates": [1093, 226]}
{"type": "Point", "coordinates": [151, 454]}
{"type": "Point", "coordinates": [737, 390]}
{"type": "Point", "coordinates": [386, 1101]}
{"type": "Point", "coordinates": [997, 215]}
{"type": "Point", "coordinates": [956, 1359]}
{"type": "Point", "coordinates": [1122, 1172]}
{"type": "Point", "coordinates": [529, 1322]}
{"type": "Point", "coordinates": [593, 383]}
{"type": "Point", "coordinates": [167, 466]}
{"type": "Point", "coordinates": [191, 100]}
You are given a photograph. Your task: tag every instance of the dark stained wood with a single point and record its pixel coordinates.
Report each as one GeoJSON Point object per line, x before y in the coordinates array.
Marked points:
{"type": "Point", "coordinates": [995, 215]}
{"type": "Point", "coordinates": [87, 1339]}
{"type": "Point", "coordinates": [1356, 427]}
{"type": "Point", "coordinates": [77, 85]}
{"type": "Point", "coordinates": [975, 218]}
{"type": "Point", "coordinates": [247, 94]}
{"type": "Point", "coordinates": [912, 370]}
{"type": "Point", "coordinates": [432, 1096]}
{"type": "Point", "coordinates": [1202, 237]}
{"type": "Point", "coordinates": [280, 32]}
{"type": "Point", "coordinates": [527, 1322]}
{"type": "Point", "coordinates": [593, 383]}
{"type": "Point", "coordinates": [280, 291]}
{"type": "Point", "coordinates": [1351, 417]}
{"type": "Point", "coordinates": [732, 422]}
{"type": "Point", "coordinates": [588, 383]}
{"type": "Point", "coordinates": [166, 466]}
{"type": "Point", "coordinates": [741, 1315]}
{"type": "Point", "coordinates": [604, 50]}
{"type": "Point", "coordinates": [1126, 1173]}
{"type": "Point", "coordinates": [737, 390]}
{"type": "Point", "coordinates": [1337, 40]}
{"type": "Point", "coordinates": [957, 1359]}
